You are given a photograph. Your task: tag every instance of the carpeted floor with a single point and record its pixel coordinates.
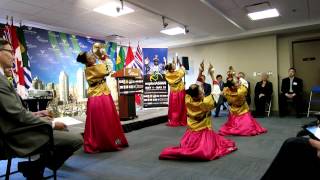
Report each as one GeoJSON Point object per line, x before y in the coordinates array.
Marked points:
{"type": "Point", "coordinates": [140, 160]}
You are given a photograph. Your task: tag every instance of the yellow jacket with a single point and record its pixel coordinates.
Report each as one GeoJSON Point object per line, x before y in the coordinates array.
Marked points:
{"type": "Point", "coordinates": [237, 100]}
{"type": "Point", "coordinates": [95, 76]}
{"type": "Point", "coordinates": [175, 80]}
{"type": "Point", "coordinates": [199, 112]}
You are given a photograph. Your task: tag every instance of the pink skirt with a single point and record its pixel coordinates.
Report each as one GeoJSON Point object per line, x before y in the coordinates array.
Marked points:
{"type": "Point", "coordinates": [177, 112]}
{"type": "Point", "coordinates": [103, 130]}
{"type": "Point", "coordinates": [242, 125]}
{"type": "Point", "coordinates": [199, 145]}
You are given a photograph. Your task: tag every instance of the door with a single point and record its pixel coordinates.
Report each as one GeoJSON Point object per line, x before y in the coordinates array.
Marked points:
{"type": "Point", "coordinates": [306, 60]}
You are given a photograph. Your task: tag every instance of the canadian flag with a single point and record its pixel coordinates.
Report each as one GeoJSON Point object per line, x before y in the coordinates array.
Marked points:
{"type": "Point", "coordinates": [18, 71]}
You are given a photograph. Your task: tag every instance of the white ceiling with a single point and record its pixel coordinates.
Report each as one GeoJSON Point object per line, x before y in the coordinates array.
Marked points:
{"type": "Point", "coordinates": [206, 24]}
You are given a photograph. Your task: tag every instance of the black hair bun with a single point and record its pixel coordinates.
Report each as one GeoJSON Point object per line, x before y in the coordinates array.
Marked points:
{"type": "Point", "coordinates": [193, 90]}
{"type": "Point", "coordinates": [82, 57]}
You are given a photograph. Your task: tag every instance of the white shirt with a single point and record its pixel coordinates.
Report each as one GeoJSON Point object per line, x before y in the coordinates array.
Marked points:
{"type": "Point", "coordinates": [291, 81]}
{"type": "Point", "coordinates": [1, 71]}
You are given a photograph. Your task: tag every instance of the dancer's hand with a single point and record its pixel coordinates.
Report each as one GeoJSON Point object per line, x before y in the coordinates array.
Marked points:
{"type": "Point", "coordinates": [201, 68]}
{"type": "Point", "coordinates": [211, 69]}
{"type": "Point", "coordinates": [59, 125]}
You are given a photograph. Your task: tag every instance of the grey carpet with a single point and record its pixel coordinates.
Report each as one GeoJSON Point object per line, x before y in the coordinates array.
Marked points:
{"type": "Point", "coordinates": [140, 160]}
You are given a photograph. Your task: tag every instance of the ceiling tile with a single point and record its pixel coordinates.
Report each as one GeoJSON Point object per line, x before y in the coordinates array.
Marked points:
{"type": "Point", "coordinates": [314, 9]}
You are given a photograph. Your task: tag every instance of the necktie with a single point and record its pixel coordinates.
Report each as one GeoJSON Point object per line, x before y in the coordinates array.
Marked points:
{"type": "Point", "coordinates": [10, 80]}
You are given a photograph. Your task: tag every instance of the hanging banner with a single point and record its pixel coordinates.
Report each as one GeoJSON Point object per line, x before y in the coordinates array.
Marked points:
{"type": "Point", "coordinates": [53, 61]}
{"type": "Point", "coordinates": [155, 86]}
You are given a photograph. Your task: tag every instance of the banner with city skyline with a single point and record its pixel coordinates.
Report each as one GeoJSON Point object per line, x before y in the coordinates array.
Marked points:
{"type": "Point", "coordinates": [52, 52]}
{"type": "Point", "coordinates": [53, 55]}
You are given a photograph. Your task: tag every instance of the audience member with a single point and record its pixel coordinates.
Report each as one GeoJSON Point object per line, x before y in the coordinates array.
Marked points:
{"type": "Point", "coordinates": [262, 94]}
{"type": "Point", "coordinates": [291, 89]}
{"type": "Point", "coordinates": [241, 76]}
{"type": "Point", "coordinates": [221, 100]}
{"type": "Point", "coordinates": [13, 115]}
{"type": "Point", "coordinates": [298, 158]}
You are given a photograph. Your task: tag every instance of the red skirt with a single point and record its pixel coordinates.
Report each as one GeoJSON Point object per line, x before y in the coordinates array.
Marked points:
{"type": "Point", "coordinates": [242, 125]}
{"type": "Point", "coordinates": [177, 112]}
{"type": "Point", "coordinates": [199, 145]}
{"type": "Point", "coordinates": [103, 130]}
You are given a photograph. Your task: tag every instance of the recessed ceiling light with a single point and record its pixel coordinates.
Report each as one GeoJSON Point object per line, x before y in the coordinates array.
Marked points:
{"type": "Point", "coordinates": [269, 13]}
{"type": "Point", "coordinates": [113, 9]}
{"type": "Point", "coordinates": [173, 31]}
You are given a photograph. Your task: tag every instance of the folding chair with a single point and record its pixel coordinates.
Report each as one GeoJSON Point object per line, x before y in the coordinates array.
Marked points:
{"type": "Point", "coordinates": [8, 154]}
{"type": "Point", "coordinates": [268, 107]}
{"type": "Point", "coordinates": [313, 100]}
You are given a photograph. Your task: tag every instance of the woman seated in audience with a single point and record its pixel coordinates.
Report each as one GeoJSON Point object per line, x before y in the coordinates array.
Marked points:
{"type": "Point", "coordinates": [199, 142]}
{"type": "Point", "coordinates": [298, 158]}
{"type": "Point", "coordinates": [262, 94]}
{"type": "Point", "coordinates": [240, 121]}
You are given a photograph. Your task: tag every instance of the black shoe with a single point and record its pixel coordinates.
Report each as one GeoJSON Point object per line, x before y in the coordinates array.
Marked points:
{"type": "Point", "coordinates": [31, 169]}
{"type": "Point", "coordinates": [216, 115]}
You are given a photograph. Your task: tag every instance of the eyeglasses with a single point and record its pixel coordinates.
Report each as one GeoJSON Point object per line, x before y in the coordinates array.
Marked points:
{"type": "Point", "coordinates": [8, 50]}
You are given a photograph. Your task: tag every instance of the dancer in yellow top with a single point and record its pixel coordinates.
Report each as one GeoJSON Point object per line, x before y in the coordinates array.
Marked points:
{"type": "Point", "coordinates": [103, 131]}
{"type": "Point", "coordinates": [199, 142]}
{"type": "Point", "coordinates": [177, 115]}
{"type": "Point", "coordinates": [240, 121]}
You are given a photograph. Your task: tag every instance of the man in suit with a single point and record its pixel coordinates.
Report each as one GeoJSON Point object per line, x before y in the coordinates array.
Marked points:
{"type": "Point", "coordinates": [13, 115]}
{"type": "Point", "coordinates": [206, 87]}
{"type": "Point", "coordinates": [221, 98]}
{"type": "Point", "coordinates": [291, 89]}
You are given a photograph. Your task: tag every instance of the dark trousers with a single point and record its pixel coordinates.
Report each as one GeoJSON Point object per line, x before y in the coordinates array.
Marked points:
{"type": "Point", "coordinates": [219, 104]}
{"type": "Point", "coordinates": [65, 144]}
{"type": "Point", "coordinates": [260, 104]}
{"type": "Point", "coordinates": [296, 159]}
{"type": "Point", "coordinates": [283, 104]}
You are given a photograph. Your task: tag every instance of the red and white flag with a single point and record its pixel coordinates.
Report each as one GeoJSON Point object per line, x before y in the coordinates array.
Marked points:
{"type": "Point", "coordinates": [138, 59]}
{"type": "Point", "coordinates": [18, 71]}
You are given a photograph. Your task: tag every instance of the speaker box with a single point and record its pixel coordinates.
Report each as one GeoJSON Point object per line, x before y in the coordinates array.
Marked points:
{"type": "Point", "coordinates": [185, 62]}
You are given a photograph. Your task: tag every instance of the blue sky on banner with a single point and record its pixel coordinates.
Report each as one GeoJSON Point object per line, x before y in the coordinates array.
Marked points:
{"type": "Point", "coordinates": [52, 52]}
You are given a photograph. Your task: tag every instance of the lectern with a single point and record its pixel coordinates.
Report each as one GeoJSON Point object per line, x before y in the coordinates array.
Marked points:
{"type": "Point", "coordinates": [129, 82]}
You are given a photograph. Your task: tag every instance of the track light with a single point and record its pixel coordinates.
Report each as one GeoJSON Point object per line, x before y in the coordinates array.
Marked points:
{"type": "Point", "coordinates": [186, 29]}
{"type": "Point", "coordinates": [163, 22]}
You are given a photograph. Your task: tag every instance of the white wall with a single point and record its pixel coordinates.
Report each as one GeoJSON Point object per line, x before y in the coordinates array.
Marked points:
{"type": "Point", "coordinates": [248, 55]}
{"type": "Point", "coordinates": [285, 50]}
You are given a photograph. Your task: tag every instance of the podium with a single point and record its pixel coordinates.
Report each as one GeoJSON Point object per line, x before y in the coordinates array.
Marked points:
{"type": "Point", "coordinates": [129, 83]}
